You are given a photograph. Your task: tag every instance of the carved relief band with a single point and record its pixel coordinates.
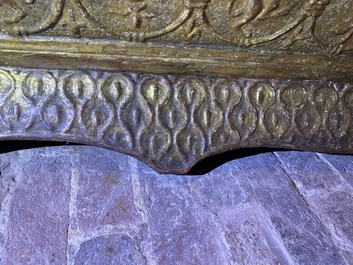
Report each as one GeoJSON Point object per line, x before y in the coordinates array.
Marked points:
{"type": "Point", "coordinates": [171, 82]}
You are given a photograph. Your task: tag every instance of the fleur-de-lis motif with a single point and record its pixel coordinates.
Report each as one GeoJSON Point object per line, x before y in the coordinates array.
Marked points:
{"type": "Point", "coordinates": [136, 9]}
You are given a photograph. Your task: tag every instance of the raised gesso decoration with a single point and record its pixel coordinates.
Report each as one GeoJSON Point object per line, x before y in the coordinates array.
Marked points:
{"type": "Point", "coordinates": [171, 82]}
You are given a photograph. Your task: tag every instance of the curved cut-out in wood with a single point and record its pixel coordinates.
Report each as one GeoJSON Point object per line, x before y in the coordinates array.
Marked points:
{"type": "Point", "coordinates": [171, 82]}
{"type": "Point", "coordinates": [170, 121]}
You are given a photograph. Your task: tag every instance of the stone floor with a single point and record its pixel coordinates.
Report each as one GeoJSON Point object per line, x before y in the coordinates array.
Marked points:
{"type": "Point", "coordinates": [85, 205]}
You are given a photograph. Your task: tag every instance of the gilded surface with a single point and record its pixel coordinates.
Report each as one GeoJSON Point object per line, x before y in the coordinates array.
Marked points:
{"type": "Point", "coordinates": [173, 81]}
{"type": "Point", "coordinates": [320, 26]}
{"type": "Point", "coordinates": [172, 121]}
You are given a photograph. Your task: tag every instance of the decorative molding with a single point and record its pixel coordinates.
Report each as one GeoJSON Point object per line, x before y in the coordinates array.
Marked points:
{"type": "Point", "coordinates": [171, 121]}
{"type": "Point", "coordinates": [321, 26]}
{"type": "Point", "coordinates": [106, 55]}
{"type": "Point", "coordinates": [174, 81]}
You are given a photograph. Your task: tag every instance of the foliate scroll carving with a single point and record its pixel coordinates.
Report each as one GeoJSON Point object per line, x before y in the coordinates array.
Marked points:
{"type": "Point", "coordinates": [136, 19]}
{"type": "Point", "coordinates": [256, 21]}
{"type": "Point", "coordinates": [315, 26]}
{"type": "Point", "coordinates": [23, 17]}
{"type": "Point", "coordinates": [172, 121]}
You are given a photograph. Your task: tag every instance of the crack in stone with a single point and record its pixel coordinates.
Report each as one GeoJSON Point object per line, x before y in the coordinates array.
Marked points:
{"type": "Point", "coordinates": [219, 233]}
{"type": "Point", "coordinates": [211, 218]}
{"type": "Point", "coordinates": [294, 184]}
{"type": "Point", "coordinates": [141, 208]}
{"type": "Point", "coordinates": [336, 236]}
{"type": "Point", "coordinates": [297, 189]}
{"type": "Point", "coordinates": [5, 211]}
{"type": "Point", "coordinates": [333, 169]}
{"type": "Point", "coordinates": [75, 237]}
{"type": "Point", "coordinates": [272, 236]}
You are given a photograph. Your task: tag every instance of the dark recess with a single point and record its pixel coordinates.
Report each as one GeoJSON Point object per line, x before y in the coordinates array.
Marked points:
{"type": "Point", "coordinates": [210, 163]}
{"type": "Point", "coordinates": [203, 167]}
{"type": "Point", "coordinates": [10, 146]}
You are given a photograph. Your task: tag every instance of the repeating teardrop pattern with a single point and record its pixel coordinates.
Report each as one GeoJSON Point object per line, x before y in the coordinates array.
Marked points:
{"type": "Point", "coordinates": [171, 122]}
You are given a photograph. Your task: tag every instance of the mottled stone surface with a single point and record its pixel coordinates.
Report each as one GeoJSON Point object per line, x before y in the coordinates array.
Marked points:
{"type": "Point", "coordinates": [35, 190]}
{"type": "Point", "coordinates": [85, 205]}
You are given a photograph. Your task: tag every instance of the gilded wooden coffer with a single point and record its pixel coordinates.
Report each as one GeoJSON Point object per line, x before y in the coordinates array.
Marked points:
{"type": "Point", "coordinates": [173, 81]}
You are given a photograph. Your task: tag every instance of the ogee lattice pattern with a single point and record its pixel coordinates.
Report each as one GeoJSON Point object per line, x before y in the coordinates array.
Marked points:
{"type": "Point", "coordinates": [171, 122]}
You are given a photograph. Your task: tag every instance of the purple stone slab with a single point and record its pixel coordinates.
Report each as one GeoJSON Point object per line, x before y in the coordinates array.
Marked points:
{"type": "Point", "coordinates": [85, 205]}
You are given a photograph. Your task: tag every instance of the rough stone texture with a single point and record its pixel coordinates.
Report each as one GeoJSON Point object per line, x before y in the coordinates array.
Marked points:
{"type": "Point", "coordinates": [85, 205]}
{"type": "Point", "coordinates": [35, 188]}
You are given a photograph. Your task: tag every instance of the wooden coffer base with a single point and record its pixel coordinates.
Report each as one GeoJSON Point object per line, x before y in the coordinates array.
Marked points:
{"type": "Point", "coordinates": [173, 81]}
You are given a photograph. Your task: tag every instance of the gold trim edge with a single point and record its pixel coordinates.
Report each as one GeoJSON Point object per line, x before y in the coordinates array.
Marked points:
{"type": "Point", "coordinates": [172, 89]}
{"type": "Point", "coordinates": [105, 55]}
{"type": "Point", "coordinates": [173, 121]}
